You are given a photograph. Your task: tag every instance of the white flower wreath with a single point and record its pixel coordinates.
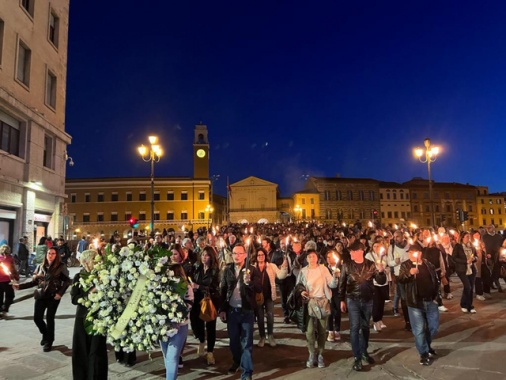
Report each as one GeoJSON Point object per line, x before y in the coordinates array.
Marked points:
{"type": "Point", "coordinates": [137, 301]}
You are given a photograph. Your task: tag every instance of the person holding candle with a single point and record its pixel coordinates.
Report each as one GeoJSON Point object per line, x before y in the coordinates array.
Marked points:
{"type": "Point", "coordinates": [318, 281]}
{"type": "Point", "coordinates": [378, 256]}
{"type": "Point", "coordinates": [239, 283]}
{"type": "Point", "coordinates": [52, 278]}
{"type": "Point", "coordinates": [419, 279]}
{"type": "Point", "coordinates": [8, 274]}
{"type": "Point", "coordinates": [268, 273]}
{"type": "Point", "coordinates": [465, 257]}
{"type": "Point", "coordinates": [334, 265]}
{"type": "Point", "coordinates": [356, 292]}
{"type": "Point", "coordinates": [286, 284]}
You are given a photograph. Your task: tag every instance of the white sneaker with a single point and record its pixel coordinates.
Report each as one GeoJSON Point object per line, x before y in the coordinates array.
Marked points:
{"type": "Point", "coordinates": [377, 326]}
{"type": "Point", "coordinates": [473, 311]}
{"type": "Point", "coordinates": [321, 363]}
{"type": "Point", "coordinates": [443, 308]}
{"type": "Point", "coordinates": [331, 336]}
{"type": "Point", "coordinates": [382, 325]}
{"type": "Point", "coordinates": [310, 361]}
{"type": "Point", "coordinates": [201, 350]}
{"type": "Point", "coordinates": [464, 310]}
{"type": "Point", "coordinates": [337, 336]}
{"type": "Point", "coordinates": [480, 298]}
{"type": "Point", "coordinates": [271, 340]}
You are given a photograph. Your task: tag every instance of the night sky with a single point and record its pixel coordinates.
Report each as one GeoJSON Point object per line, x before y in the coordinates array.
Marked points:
{"type": "Point", "coordinates": [289, 88]}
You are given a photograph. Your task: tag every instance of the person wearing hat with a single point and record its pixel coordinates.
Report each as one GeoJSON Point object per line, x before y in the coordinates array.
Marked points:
{"type": "Point", "coordinates": [418, 276]}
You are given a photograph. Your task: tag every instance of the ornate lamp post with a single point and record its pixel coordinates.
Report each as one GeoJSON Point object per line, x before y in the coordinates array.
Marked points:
{"type": "Point", "coordinates": [152, 154]}
{"type": "Point", "coordinates": [428, 155]}
{"type": "Point", "coordinates": [209, 210]}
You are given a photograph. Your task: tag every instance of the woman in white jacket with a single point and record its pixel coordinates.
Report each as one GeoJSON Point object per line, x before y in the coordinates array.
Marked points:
{"type": "Point", "coordinates": [268, 273]}
{"type": "Point", "coordinates": [317, 280]}
{"type": "Point", "coordinates": [378, 256]}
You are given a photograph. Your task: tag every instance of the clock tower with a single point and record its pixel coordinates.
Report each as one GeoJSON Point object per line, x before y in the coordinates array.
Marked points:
{"type": "Point", "coordinates": [201, 152]}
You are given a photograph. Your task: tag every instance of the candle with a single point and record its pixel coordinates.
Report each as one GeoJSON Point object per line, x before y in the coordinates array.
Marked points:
{"type": "Point", "coordinates": [5, 269]}
{"type": "Point", "coordinates": [336, 261]}
{"type": "Point", "coordinates": [369, 224]}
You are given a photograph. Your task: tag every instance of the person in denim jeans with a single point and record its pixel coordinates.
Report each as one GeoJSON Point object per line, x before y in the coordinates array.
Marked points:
{"type": "Point", "coordinates": [356, 290]}
{"type": "Point", "coordinates": [418, 276]}
{"type": "Point", "coordinates": [239, 283]}
{"type": "Point", "coordinates": [173, 346]}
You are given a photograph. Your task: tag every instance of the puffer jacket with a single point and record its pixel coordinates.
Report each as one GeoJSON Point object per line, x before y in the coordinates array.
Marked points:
{"type": "Point", "coordinates": [407, 280]}
{"type": "Point", "coordinates": [352, 279]}
{"type": "Point", "coordinates": [297, 308]}
{"type": "Point", "coordinates": [229, 281]}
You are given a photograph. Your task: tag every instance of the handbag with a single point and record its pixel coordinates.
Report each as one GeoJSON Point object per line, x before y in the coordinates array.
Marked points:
{"type": "Point", "coordinates": [318, 307]}
{"type": "Point", "coordinates": [39, 293]}
{"type": "Point", "coordinates": [259, 297]}
{"type": "Point", "coordinates": [208, 311]}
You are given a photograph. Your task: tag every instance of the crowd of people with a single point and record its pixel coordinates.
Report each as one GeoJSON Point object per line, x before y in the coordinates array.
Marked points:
{"type": "Point", "coordinates": [319, 271]}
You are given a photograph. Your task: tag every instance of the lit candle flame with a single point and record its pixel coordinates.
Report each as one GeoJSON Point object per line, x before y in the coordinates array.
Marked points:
{"type": "Point", "coordinates": [95, 243]}
{"type": "Point", "coordinates": [382, 251]}
{"type": "Point", "coordinates": [452, 232]}
{"type": "Point", "coordinates": [5, 269]}
{"type": "Point", "coordinates": [336, 260]}
{"type": "Point", "coordinates": [476, 244]}
{"type": "Point", "coordinates": [435, 238]}
{"type": "Point", "coordinates": [369, 224]}
{"type": "Point", "coordinates": [251, 230]}
{"type": "Point", "coordinates": [396, 227]}
{"type": "Point", "coordinates": [428, 240]}
{"type": "Point", "coordinates": [410, 241]}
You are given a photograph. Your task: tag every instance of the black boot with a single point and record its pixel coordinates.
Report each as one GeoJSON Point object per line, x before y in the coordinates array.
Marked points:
{"type": "Point", "coordinates": [357, 364]}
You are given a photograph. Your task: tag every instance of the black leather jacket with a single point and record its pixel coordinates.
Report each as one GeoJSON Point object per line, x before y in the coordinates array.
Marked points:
{"type": "Point", "coordinates": [351, 279]}
{"type": "Point", "coordinates": [408, 282]}
{"type": "Point", "coordinates": [228, 283]}
{"type": "Point", "coordinates": [54, 280]}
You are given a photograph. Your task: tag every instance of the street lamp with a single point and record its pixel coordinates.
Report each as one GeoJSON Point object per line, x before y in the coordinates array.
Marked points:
{"type": "Point", "coordinates": [297, 210]}
{"type": "Point", "coordinates": [209, 210]}
{"type": "Point", "coordinates": [429, 155]}
{"type": "Point", "coordinates": [152, 154]}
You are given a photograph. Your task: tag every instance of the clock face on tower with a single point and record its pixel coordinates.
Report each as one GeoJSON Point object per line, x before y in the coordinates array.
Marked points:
{"type": "Point", "coordinates": [201, 153]}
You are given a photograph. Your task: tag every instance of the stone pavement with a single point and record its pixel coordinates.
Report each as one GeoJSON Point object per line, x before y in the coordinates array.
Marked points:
{"type": "Point", "coordinates": [469, 347]}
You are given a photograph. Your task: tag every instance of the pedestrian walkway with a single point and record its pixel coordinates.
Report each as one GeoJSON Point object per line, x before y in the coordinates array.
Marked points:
{"type": "Point", "coordinates": [468, 346]}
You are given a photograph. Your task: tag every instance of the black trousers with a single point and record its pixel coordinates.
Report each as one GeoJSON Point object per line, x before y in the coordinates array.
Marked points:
{"type": "Point", "coordinates": [378, 302]}
{"type": "Point", "coordinates": [6, 296]}
{"type": "Point", "coordinates": [89, 354]}
{"type": "Point", "coordinates": [200, 327]}
{"type": "Point", "coordinates": [48, 306]}
{"type": "Point", "coordinates": [285, 288]}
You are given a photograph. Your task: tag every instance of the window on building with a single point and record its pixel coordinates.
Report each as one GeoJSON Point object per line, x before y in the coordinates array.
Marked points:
{"type": "Point", "coordinates": [482, 201]}
{"type": "Point", "coordinates": [142, 215]}
{"type": "Point", "coordinates": [202, 196]}
{"type": "Point", "coordinates": [328, 214]}
{"type": "Point", "coordinates": [500, 221]}
{"type": "Point", "coordinates": [170, 215]}
{"type": "Point", "coordinates": [401, 195]}
{"type": "Point", "coordinates": [170, 195]}
{"type": "Point", "coordinates": [436, 208]}
{"type": "Point", "coordinates": [483, 211]}
{"type": "Point", "coordinates": [156, 196]}
{"type": "Point", "coordinates": [184, 195]}
{"type": "Point", "coordinates": [407, 196]}
{"type": "Point", "coordinates": [415, 208]}
{"type": "Point", "coordinates": [129, 197]}
{"type": "Point", "coordinates": [51, 86]}
{"type": "Point", "coordinates": [100, 197]}
{"type": "Point", "coordinates": [498, 201]}
{"type": "Point", "coordinates": [9, 139]}
{"type": "Point", "coordinates": [28, 6]}
{"type": "Point", "coordinates": [339, 196]}
{"type": "Point", "coordinates": [361, 195]}
{"type": "Point", "coordinates": [48, 159]}
{"type": "Point", "coordinates": [1, 39]}
{"type": "Point", "coordinates": [426, 195]}
{"type": "Point", "coordinates": [414, 196]}
{"type": "Point", "coordinates": [350, 195]}
{"type": "Point", "coordinates": [311, 201]}
{"type": "Point", "coordinates": [114, 197]}
{"type": "Point", "coordinates": [303, 213]}
{"type": "Point", "coordinates": [24, 62]}
{"type": "Point", "coordinates": [142, 196]}
{"type": "Point", "coordinates": [490, 201]}
{"type": "Point", "coordinates": [184, 215]}
{"type": "Point", "coordinates": [156, 215]}
{"type": "Point", "coordinates": [73, 198]}
{"type": "Point", "coordinates": [303, 201]}
{"type": "Point", "coordinates": [114, 217]}
{"type": "Point", "coordinates": [448, 208]}
{"type": "Point", "coordinates": [499, 212]}
{"type": "Point", "coordinates": [87, 197]}
{"type": "Point", "coordinates": [326, 195]}
{"type": "Point", "coordinates": [54, 28]}
{"type": "Point", "coordinates": [313, 213]}
{"type": "Point", "coordinates": [396, 214]}
{"type": "Point", "coordinates": [403, 214]}
{"type": "Point", "coordinates": [427, 208]}
{"type": "Point", "coordinates": [389, 214]}
{"type": "Point", "coordinates": [492, 221]}
{"type": "Point", "coordinates": [128, 215]}
{"type": "Point", "coordinates": [372, 197]}
{"type": "Point", "coordinates": [381, 195]}
{"type": "Point", "coordinates": [201, 215]}
{"type": "Point", "coordinates": [86, 218]}
{"type": "Point", "coordinates": [470, 208]}
{"type": "Point", "coordinates": [491, 211]}
{"type": "Point", "coordinates": [484, 221]}
{"type": "Point", "coordinates": [100, 217]}
{"type": "Point", "coordinates": [383, 214]}
{"type": "Point", "coordinates": [394, 195]}
{"type": "Point", "coordinates": [471, 221]}
{"type": "Point", "coordinates": [388, 195]}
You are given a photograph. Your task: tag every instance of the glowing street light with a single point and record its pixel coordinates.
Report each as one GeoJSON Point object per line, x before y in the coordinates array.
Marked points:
{"type": "Point", "coordinates": [428, 155]}
{"type": "Point", "coordinates": [151, 153]}
{"type": "Point", "coordinates": [209, 210]}
{"type": "Point", "coordinates": [298, 210]}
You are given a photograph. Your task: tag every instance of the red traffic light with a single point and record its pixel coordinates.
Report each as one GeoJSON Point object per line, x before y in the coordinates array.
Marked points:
{"type": "Point", "coordinates": [134, 223]}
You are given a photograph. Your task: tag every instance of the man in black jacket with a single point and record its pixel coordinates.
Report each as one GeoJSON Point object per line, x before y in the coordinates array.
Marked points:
{"type": "Point", "coordinates": [418, 276]}
{"type": "Point", "coordinates": [287, 284]}
{"type": "Point", "coordinates": [239, 284]}
{"type": "Point", "coordinates": [356, 291]}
